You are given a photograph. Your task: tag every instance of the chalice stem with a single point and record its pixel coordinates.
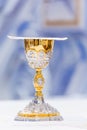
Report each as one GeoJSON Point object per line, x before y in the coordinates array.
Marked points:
{"type": "Point", "coordinates": [38, 85]}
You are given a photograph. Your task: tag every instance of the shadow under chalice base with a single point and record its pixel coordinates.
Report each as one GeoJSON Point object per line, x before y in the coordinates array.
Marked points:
{"type": "Point", "coordinates": [38, 110]}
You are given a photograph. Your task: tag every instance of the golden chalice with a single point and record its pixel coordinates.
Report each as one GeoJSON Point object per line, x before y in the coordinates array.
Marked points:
{"type": "Point", "coordinates": [38, 52]}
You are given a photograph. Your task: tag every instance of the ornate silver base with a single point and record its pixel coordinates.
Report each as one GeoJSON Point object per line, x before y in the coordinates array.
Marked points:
{"type": "Point", "coordinates": [39, 111]}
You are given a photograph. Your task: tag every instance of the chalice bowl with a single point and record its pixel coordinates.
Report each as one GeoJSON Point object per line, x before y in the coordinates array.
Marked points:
{"type": "Point", "coordinates": [38, 52]}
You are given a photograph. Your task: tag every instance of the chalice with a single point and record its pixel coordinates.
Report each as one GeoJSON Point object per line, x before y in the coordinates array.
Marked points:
{"type": "Point", "coordinates": [38, 52]}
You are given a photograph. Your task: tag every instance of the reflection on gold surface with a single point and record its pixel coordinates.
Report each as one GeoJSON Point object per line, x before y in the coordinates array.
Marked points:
{"type": "Point", "coordinates": [38, 45]}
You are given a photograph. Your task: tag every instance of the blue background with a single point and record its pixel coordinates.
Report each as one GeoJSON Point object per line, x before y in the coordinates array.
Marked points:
{"type": "Point", "coordinates": [66, 74]}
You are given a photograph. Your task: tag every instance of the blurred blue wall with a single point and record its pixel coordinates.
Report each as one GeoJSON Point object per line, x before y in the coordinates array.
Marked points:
{"type": "Point", "coordinates": [67, 71]}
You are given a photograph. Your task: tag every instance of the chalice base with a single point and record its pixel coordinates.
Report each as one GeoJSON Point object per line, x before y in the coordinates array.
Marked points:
{"type": "Point", "coordinates": [38, 112]}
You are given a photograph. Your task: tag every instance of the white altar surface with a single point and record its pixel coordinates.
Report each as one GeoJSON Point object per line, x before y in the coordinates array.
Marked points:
{"type": "Point", "coordinates": [73, 110]}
